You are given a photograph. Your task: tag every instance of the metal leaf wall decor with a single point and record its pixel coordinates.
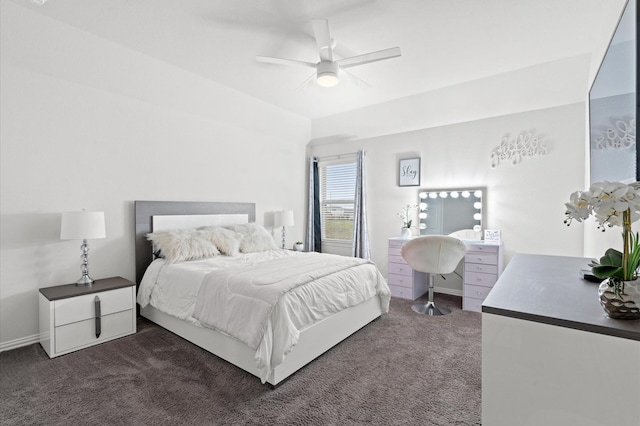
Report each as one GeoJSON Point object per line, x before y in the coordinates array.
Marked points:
{"type": "Point", "coordinates": [515, 150]}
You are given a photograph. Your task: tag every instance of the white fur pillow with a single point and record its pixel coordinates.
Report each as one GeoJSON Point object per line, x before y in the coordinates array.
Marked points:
{"type": "Point", "coordinates": [179, 245]}
{"type": "Point", "coordinates": [225, 240]}
{"type": "Point", "coordinates": [254, 238]}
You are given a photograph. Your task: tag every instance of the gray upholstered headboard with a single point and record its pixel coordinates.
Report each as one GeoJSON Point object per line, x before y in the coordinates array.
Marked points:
{"type": "Point", "coordinates": [145, 210]}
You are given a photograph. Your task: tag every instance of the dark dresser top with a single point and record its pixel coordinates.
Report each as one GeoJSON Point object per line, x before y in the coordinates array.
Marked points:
{"type": "Point", "coordinates": [72, 290]}
{"type": "Point", "coordinates": [549, 290]}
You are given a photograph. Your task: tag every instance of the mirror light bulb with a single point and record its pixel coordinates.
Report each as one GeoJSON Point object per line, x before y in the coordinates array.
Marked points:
{"type": "Point", "coordinates": [454, 194]}
{"type": "Point", "coordinates": [423, 206]}
{"type": "Point", "coordinates": [422, 195]}
{"type": "Point", "coordinates": [477, 205]}
{"type": "Point", "coordinates": [465, 194]}
{"type": "Point", "coordinates": [444, 194]}
{"type": "Point", "coordinates": [478, 194]}
{"type": "Point", "coordinates": [477, 216]}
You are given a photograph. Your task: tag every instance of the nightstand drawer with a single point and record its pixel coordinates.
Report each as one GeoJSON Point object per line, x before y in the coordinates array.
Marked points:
{"type": "Point", "coordinates": [397, 268]}
{"type": "Point", "coordinates": [476, 291]}
{"type": "Point", "coordinates": [401, 280]}
{"type": "Point", "coordinates": [82, 307]}
{"type": "Point", "coordinates": [83, 333]}
{"type": "Point", "coordinates": [477, 278]}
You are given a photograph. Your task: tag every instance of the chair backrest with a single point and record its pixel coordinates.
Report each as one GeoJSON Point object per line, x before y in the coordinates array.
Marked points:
{"type": "Point", "coordinates": [466, 234]}
{"type": "Point", "coordinates": [437, 254]}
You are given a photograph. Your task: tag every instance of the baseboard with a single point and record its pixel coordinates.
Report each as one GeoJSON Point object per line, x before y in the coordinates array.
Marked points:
{"type": "Point", "coordinates": [445, 290]}
{"type": "Point", "coordinates": [18, 343]}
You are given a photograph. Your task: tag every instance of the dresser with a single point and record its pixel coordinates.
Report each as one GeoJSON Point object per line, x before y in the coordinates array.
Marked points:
{"type": "Point", "coordinates": [483, 264]}
{"type": "Point", "coordinates": [550, 355]}
{"type": "Point", "coordinates": [75, 317]}
{"type": "Point", "coordinates": [403, 281]}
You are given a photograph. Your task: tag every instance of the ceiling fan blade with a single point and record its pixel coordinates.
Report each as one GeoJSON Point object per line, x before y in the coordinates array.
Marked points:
{"type": "Point", "coordinates": [280, 61]}
{"type": "Point", "coordinates": [309, 82]}
{"type": "Point", "coordinates": [323, 39]}
{"type": "Point", "coordinates": [355, 80]}
{"type": "Point", "coordinates": [380, 55]}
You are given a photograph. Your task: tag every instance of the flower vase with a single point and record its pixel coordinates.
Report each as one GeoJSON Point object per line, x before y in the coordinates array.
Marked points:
{"type": "Point", "coordinates": [405, 233]}
{"type": "Point", "coordinates": [625, 304]}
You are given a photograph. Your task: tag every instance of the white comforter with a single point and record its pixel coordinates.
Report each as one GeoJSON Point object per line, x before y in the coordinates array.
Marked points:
{"type": "Point", "coordinates": [280, 304]}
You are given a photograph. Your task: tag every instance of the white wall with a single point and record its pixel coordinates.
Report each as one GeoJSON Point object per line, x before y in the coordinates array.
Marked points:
{"type": "Point", "coordinates": [525, 201]}
{"type": "Point", "coordinates": [89, 124]}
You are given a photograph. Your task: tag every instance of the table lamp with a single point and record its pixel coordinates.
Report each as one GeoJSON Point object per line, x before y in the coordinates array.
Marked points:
{"type": "Point", "coordinates": [283, 218]}
{"type": "Point", "coordinates": [83, 226]}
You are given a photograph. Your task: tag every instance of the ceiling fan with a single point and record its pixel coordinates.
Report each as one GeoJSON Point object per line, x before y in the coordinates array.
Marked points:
{"type": "Point", "coordinates": [327, 68]}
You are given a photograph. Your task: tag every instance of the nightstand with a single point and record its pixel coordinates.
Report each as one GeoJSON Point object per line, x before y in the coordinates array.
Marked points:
{"type": "Point", "coordinates": [75, 317]}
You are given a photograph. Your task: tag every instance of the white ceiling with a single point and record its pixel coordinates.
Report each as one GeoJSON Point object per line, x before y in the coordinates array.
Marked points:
{"type": "Point", "coordinates": [443, 42]}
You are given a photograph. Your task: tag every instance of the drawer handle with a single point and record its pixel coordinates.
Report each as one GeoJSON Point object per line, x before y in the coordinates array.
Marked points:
{"type": "Point", "coordinates": [96, 303]}
{"type": "Point", "coordinates": [478, 293]}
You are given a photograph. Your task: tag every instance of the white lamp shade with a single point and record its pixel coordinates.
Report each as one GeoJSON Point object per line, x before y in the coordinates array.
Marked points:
{"type": "Point", "coordinates": [82, 225]}
{"type": "Point", "coordinates": [283, 218]}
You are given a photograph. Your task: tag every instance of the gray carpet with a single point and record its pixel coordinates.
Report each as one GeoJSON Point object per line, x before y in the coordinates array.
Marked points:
{"type": "Point", "coordinates": [403, 368]}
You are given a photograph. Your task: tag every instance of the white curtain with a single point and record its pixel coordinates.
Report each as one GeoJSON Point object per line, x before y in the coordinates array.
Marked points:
{"type": "Point", "coordinates": [360, 231]}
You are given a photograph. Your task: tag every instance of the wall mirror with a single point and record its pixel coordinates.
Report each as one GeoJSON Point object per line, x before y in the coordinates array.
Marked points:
{"type": "Point", "coordinates": [444, 211]}
{"type": "Point", "coordinates": [613, 106]}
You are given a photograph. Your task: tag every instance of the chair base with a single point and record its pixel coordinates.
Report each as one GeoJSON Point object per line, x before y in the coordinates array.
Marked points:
{"type": "Point", "coordinates": [430, 309]}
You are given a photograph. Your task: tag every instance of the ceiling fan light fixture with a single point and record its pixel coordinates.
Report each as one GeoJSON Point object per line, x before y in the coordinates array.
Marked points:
{"type": "Point", "coordinates": [327, 74]}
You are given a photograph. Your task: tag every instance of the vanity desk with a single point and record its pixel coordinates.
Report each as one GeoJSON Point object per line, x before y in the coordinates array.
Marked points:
{"type": "Point", "coordinates": [481, 266]}
{"type": "Point", "coordinates": [550, 355]}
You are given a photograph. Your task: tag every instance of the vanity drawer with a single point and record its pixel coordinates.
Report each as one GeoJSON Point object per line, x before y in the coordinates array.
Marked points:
{"type": "Point", "coordinates": [486, 258]}
{"type": "Point", "coordinates": [82, 307]}
{"type": "Point", "coordinates": [400, 269]}
{"type": "Point", "coordinates": [476, 291]}
{"type": "Point", "coordinates": [395, 251]}
{"type": "Point", "coordinates": [483, 248]}
{"type": "Point", "coordinates": [480, 267]}
{"type": "Point", "coordinates": [397, 243]}
{"type": "Point", "coordinates": [396, 259]}
{"type": "Point", "coordinates": [402, 292]}
{"type": "Point", "coordinates": [471, 304]}
{"type": "Point", "coordinates": [401, 280]}
{"type": "Point", "coordinates": [478, 278]}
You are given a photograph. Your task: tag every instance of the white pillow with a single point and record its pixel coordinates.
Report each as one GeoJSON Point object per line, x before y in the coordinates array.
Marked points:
{"type": "Point", "coordinates": [179, 245]}
{"type": "Point", "coordinates": [225, 240]}
{"type": "Point", "coordinates": [254, 238]}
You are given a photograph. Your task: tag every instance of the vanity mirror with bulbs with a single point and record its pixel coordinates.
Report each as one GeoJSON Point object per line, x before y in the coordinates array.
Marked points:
{"type": "Point", "coordinates": [447, 211]}
{"type": "Point", "coordinates": [459, 212]}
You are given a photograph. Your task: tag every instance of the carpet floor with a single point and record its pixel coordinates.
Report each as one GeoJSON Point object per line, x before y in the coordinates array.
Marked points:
{"type": "Point", "coordinates": [402, 369]}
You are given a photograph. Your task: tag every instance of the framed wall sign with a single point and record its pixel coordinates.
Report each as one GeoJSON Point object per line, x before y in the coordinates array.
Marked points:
{"type": "Point", "coordinates": [409, 172]}
{"type": "Point", "coordinates": [492, 235]}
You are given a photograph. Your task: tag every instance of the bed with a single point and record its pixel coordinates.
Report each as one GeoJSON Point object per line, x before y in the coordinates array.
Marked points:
{"type": "Point", "coordinates": [311, 340]}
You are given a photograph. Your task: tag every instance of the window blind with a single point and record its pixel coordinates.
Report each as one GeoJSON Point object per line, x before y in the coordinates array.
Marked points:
{"type": "Point", "coordinates": [337, 193]}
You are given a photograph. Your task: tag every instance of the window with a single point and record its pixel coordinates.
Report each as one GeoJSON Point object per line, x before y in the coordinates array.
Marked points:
{"type": "Point", "coordinates": [337, 193]}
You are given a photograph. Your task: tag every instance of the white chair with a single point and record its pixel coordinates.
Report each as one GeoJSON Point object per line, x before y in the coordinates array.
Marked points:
{"type": "Point", "coordinates": [433, 254]}
{"type": "Point", "coordinates": [466, 234]}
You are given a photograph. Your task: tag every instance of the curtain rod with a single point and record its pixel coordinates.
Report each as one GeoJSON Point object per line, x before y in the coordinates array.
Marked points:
{"type": "Point", "coordinates": [338, 156]}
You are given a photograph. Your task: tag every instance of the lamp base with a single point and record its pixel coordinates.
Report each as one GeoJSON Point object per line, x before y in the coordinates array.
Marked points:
{"type": "Point", "coordinates": [85, 280]}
